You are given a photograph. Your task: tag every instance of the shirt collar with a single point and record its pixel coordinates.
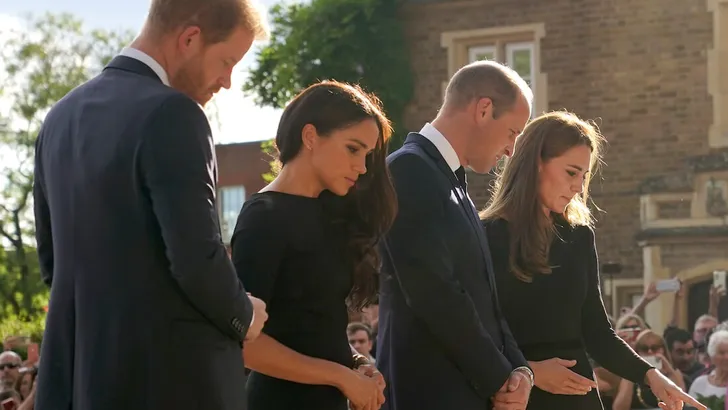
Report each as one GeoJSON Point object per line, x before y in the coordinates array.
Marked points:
{"type": "Point", "coordinates": [149, 61]}
{"type": "Point", "coordinates": [442, 144]}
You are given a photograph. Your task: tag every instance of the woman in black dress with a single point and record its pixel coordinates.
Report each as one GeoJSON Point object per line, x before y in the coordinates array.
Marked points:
{"type": "Point", "coordinates": [547, 272]}
{"type": "Point", "coordinates": [307, 246]}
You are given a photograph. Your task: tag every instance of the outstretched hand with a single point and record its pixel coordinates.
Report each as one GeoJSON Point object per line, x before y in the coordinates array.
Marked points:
{"type": "Point", "coordinates": [670, 395]}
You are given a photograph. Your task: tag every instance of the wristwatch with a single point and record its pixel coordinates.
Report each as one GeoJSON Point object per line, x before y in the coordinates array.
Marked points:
{"type": "Point", "coordinates": [528, 372]}
{"type": "Point", "coordinates": [360, 360]}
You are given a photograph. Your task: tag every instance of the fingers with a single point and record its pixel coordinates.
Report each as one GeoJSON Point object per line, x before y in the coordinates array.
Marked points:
{"type": "Point", "coordinates": [508, 406]}
{"type": "Point", "coordinates": [366, 369]}
{"type": "Point", "coordinates": [514, 381]}
{"type": "Point", "coordinates": [582, 381]}
{"type": "Point", "coordinates": [380, 380]}
{"type": "Point", "coordinates": [686, 398]}
{"type": "Point", "coordinates": [573, 388]}
{"type": "Point", "coordinates": [566, 363]}
{"type": "Point", "coordinates": [511, 398]}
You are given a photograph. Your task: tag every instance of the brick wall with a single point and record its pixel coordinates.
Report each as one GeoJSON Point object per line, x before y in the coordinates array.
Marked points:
{"type": "Point", "coordinates": [242, 164]}
{"type": "Point", "coordinates": [638, 68]}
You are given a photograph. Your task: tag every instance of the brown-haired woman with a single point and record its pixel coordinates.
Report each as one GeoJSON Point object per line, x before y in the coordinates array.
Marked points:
{"type": "Point", "coordinates": [653, 349]}
{"type": "Point", "coordinates": [307, 246]}
{"type": "Point", "coordinates": [545, 261]}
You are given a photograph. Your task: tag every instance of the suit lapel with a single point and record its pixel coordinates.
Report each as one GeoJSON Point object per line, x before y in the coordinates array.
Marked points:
{"type": "Point", "coordinates": [465, 203]}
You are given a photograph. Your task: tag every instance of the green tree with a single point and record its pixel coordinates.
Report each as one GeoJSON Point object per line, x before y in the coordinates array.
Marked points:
{"type": "Point", "coordinates": [269, 148]}
{"type": "Point", "coordinates": [357, 41]}
{"type": "Point", "coordinates": [40, 63]}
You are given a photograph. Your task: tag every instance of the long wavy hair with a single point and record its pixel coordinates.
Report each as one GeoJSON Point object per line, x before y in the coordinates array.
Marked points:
{"type": "Point", "coordinates": [368, 210]}
{"type": "Point", "coordinates": [516, 189]}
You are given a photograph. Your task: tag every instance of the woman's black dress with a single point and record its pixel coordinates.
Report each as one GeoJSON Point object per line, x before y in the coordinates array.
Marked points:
{"type": "Point", "coordinates": [562, 314]}
{"type": "Point", "coordinates": [288, 253]}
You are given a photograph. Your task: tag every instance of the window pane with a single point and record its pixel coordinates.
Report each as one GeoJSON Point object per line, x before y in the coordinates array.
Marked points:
{"type": "Point", "coordinates": [231, 201]}
{"type": "Point", "coordinates": [521, 62]}
{"type": "Point", "coordinates": [519, 56]}
{"type": "Point", "coordinates": [481, 53]}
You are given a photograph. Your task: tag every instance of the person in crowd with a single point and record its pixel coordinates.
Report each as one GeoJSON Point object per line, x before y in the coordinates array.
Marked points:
{"type": "Point", "coordinates": [360, 338]}
{"type": "Point", "coordinates": [10, 364]}
{"type": "Point", "coordinates": [714, 383]}
{"type": "Point", "coordinates": [27, 381]}
{"type": "Point", "coordinates": [539, 228]}
{"type": "Point", "coordinates": [307, 246]}
{"type": "Point", "coordinates": [631, 321]}
{"type": "Point", "coordinates": [683, 353]}
{"type": "Point", "coordinates": [651, 347]}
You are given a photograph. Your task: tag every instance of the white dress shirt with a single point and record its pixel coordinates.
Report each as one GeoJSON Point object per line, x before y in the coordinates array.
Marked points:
{"type": "Point", "coordinates": [149, 61]}
{"type": "Point", "coordinates": [442, 144]}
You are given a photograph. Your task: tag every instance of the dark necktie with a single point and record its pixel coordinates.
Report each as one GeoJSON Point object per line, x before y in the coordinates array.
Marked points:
{"type": "Point", "coordinates": [460, 174]}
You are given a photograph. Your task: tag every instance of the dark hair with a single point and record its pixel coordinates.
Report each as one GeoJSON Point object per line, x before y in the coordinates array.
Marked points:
{"type": "Point", "coordinates": [368, 211]}
{"type": "Point", "coordinates": [217, 19]}
{"type": "Point", "coordinates": [674, 335]}
{"type": "Point", "coordinates": [354, 327]}
{"type": "Point", "coordinates": [515, 192]}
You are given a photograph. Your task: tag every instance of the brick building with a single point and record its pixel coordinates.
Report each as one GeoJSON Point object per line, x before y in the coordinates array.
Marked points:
{"type": "Point", "coordinates": [654, 74]}
{"type": "Point", "coordinates": [240, 170]}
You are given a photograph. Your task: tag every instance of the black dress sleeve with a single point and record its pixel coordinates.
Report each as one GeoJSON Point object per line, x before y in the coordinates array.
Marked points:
{"type": "Point", "coordinates": [258, 244]}
{"type": "Point", "coordinates": [602, 342]}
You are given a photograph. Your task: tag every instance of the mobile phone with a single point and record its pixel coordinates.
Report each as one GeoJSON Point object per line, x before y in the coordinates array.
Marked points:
{"type": "Point", "coordinates": [33, 354]}
{"type": "Point", "coordinates": [668, 285]}
{"type": "Point", "coordinates": [719, 279]}
{"type": "Point", "coordinates": [654, 361]}
{"type": "Point", "coordinates": [9, 404]}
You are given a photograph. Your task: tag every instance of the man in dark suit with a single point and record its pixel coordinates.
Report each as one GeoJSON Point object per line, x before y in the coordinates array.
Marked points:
{"type": "Point", "coordinates": [442, 342]}
{"type": "Point", "coordinates": [146, 310]}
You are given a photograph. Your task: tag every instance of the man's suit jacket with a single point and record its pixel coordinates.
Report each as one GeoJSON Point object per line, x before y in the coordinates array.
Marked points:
{"type": "Point", "coordinates": [442, 342]}
{"type": "Point", "coordinates": [146, 310]}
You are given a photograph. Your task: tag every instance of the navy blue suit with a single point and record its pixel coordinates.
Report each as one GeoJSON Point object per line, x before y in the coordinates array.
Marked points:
{"type": "Point", "coordinates": [146, 310]}
{"type": "Point", "coordinates": [443, 343]}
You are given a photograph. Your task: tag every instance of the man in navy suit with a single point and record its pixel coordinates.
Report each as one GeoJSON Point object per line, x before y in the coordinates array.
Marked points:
{"type": "Point", "coordinates": [442, 341]}
{"type": "Point", "coordinates": [146, 310]}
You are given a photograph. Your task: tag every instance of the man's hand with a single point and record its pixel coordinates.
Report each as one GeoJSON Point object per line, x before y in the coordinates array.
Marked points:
{"type": "Point", "coordinates": [260, 316]}
{"type": "Point", "coordinates": [371, 371]}
{"type": "Point", "coordinates": [513, 395]}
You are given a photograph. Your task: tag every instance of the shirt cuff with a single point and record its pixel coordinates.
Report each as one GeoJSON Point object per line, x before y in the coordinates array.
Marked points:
{"type": "Point", "coordinates": [527, 371]}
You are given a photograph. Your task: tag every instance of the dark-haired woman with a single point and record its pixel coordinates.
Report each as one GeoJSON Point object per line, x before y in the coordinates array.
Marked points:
{"type": "Point", "coordinates": [307, 246]}
{"type": "Point", "coordinates": [547, 275]}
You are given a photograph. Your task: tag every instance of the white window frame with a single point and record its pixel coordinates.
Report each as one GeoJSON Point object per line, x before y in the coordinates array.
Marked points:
{"type": "Point", "coordinates": [228, 217]}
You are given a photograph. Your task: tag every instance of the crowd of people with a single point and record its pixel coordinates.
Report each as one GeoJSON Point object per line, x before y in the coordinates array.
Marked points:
{"type": "Point", "coordinates": [493, 309]}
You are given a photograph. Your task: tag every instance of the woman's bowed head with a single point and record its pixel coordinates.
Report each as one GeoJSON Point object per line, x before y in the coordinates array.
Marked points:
{"type": "Point", "coordinates": [549, 178]}
{"type": "Point", "coordinates": [333, 137]}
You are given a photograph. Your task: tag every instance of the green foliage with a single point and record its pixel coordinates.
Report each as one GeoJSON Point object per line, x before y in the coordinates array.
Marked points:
{"type": "Point", "coordinates": [356, 41]}
{"type": "Point", "coordinates": [269, 148]}
{"type": "Point", "coordinates": [27, 327]}
{"type": "Point", "coordinates": [39, 64]}
{"type": "Point", "coordinates": [712, 402]}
